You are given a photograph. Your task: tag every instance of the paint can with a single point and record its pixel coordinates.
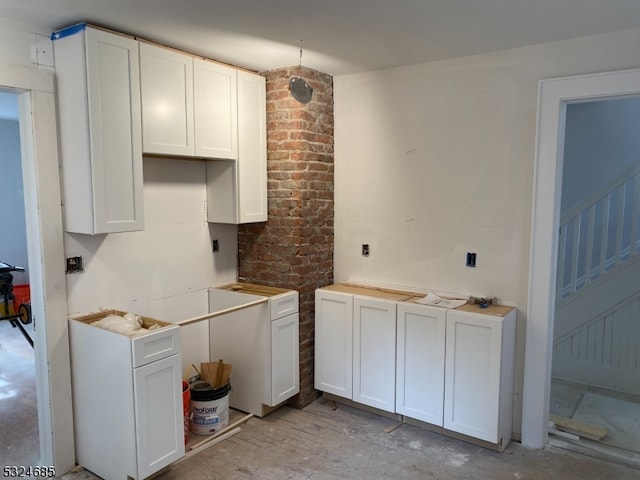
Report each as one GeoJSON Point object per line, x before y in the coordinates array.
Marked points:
{"type": "Point", "coordinates": [186, 409]}
{"type": "Point", "coordinates": [209, 408]}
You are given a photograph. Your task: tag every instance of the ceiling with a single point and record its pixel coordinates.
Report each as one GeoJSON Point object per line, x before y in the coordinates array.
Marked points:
{"type": "Point", "coordinates": [337, 36]}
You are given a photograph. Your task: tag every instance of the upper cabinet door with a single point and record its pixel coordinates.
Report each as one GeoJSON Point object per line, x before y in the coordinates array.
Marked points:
{"type": "Point", "coordinates": [167, 101]}
{"type": "Point", "coordinates": [252, 151]}
{"type": "Point", "coordinates": [98, 89]}
{"type": "Point", "coordinates": [216, 110]}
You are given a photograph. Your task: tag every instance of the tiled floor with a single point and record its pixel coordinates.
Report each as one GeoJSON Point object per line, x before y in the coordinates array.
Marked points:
{"type": "Point", "coordinates": [18, 406]}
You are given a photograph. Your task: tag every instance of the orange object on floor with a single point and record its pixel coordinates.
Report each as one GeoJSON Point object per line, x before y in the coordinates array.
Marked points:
{"type": "Point", "coordinates": [22, 294]}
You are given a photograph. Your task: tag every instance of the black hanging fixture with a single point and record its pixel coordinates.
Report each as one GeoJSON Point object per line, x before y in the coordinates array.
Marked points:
{"type": "Point", "coordinates": [298, 86]}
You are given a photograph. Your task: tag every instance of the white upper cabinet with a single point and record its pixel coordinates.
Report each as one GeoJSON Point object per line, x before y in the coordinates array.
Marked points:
{"type": "Point", "coordinates": [237, 191]}
{"type": "Point", "coordinates": [202, 109]}
{"type": "Point", "coordinates": [98, 90]}
{"type": "Point", "coordinates": [189, 105]}
{"type": "Point", "coordinates": [215, 109]}
{"type": "Point", "coordinates": [167, 101]}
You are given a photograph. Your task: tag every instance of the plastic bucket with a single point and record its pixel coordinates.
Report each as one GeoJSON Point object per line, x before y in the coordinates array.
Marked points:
{"type": "Point", "coordinates": [209, 408]}
{"type": "Point", "coordinates": [186, 409]}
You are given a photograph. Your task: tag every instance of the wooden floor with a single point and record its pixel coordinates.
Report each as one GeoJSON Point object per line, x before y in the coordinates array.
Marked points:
{"type": "Point", "coordinates": [321, 443]}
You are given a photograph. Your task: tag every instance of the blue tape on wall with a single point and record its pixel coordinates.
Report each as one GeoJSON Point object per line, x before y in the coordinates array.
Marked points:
{"type": "Point", "coordinates": [67, 31]}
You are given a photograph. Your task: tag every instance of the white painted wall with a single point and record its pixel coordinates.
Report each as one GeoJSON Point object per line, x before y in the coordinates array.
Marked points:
{"type": "Point", "coordinates": [164, 270]}
{"type": "Point", "coordinates": [24, 44]}
{"type": "Point", "coordinates": [435, 160]}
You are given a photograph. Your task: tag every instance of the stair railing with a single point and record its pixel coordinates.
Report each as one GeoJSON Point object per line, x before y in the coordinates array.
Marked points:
{"type": "Point", "coordinates": [598, 235]}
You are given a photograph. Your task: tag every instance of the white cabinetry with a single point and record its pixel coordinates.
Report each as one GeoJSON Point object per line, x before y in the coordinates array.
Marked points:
{"type": "Point", "coordinates": [355, 345]}
{"type": "Point", "coordinates": [189, 105]}
{"type": "Point", "coordinates": [420, 362]}
{"type": "Point", "coordinates": [334, 343]}
{"type": "Point", "coordinates": [374, 352]}
{"type": "Point", "coordinates": [98, 90]}
{"type": "Point", "coordinates": [449, 368]}
{"type": "Point", "coordinates": [167, 101]}
{"type": "Point", "coordinates": [479, 375]}
{"type": "Point", "coordinates": [261, 342]}
{"type": "Point", "coordinates": [285, 361]}
{"type": "Point", "coordinates": [127, 399]}
{"type": "Point", "coordinates": [198, 108]}
{"type": "Point", "coordinates": [215, 110]}
{"type": "Point", "coordinates": [237, 191]}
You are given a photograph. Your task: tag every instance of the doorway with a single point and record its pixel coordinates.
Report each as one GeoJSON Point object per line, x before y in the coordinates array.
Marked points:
{"type": "Point", "coordinates": [596, 333]}
{"type": "Point", "coordinates": [554, 96]}
{"type": "Point", "coordinates": [19, 441]}
{"type": "Point", "coordinates": [43, 219]}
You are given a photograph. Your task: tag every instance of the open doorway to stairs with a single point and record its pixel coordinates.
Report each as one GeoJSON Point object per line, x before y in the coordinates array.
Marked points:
{"type": "Point", "coordinates": [554, 96]}
{"type": "Point", "coordinates": [43, 219]}
{"type": "Point", "coordinates": [19, 440]}
{"type": "Point", "coordinates": [595, 385]}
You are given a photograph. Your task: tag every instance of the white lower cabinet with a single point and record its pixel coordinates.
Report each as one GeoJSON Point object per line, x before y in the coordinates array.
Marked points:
{"type": "Point", "coordinates": [374, 352]}
{"type": "Point", "coordinates": [334, 343]}
{"type": "Point", "coordinates": [285, 362]}
{"type": "Point", "coordinates": [127, 399]}
{"type": "Point", "coordinates": [260, 341]}
{"type": "Point", "coordinates": [479, 375]}
{"type": "Point", "coordinates": [154, 388]}
{"type": "Point", "coordinates": [420, 362]}
{"type": "Point", "coordinates": [449, 368]}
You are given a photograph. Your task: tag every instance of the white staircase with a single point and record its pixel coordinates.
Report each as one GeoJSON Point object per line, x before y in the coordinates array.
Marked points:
{"type": "Point", "coordinates": [597, 318]}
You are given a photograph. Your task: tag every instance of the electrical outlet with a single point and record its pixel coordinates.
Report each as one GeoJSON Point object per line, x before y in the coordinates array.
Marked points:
{"type": "Point", "coordinates": [365, 250]}
{"type": "Point", "coordinates": [74, 265]}
{"type": "Point", "coordinates": [471, 259]}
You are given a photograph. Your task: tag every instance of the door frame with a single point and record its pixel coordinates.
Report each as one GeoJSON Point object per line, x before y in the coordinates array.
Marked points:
{"type": "Point", "coordinates": [553, 96]}
{"type": "Point", "coordinates": [43, 215]}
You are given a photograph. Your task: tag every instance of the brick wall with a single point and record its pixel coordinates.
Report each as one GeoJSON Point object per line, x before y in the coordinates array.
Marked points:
{"type": "Point", "coordinates": [294, 248]}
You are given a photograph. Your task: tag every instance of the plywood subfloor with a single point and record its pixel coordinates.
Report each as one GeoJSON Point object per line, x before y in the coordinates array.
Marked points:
{"type": "Point", "coordinates": [319, 443]}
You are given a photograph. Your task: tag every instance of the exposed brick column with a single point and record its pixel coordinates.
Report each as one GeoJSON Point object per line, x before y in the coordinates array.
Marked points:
{"type": "Point", "coordinates": [294, 248]}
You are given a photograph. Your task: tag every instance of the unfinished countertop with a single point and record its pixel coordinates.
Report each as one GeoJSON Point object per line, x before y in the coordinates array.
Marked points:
{"type": "Point", "coordinates": [411, 297]}
{"type": "Point", "coordinates": [253, 289]}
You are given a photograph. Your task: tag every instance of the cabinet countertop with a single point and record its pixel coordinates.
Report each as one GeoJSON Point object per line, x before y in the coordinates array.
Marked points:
{"type": "Point", "coordinates": [411, 297]}
{"type": "Point", "coordinates": [263, 290]}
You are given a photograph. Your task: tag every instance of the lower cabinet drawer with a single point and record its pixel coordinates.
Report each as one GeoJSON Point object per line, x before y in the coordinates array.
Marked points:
{"type": "Point", "coordinates": [154, 346]}
{"type": "Point", "coordinates": [283, 305]}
